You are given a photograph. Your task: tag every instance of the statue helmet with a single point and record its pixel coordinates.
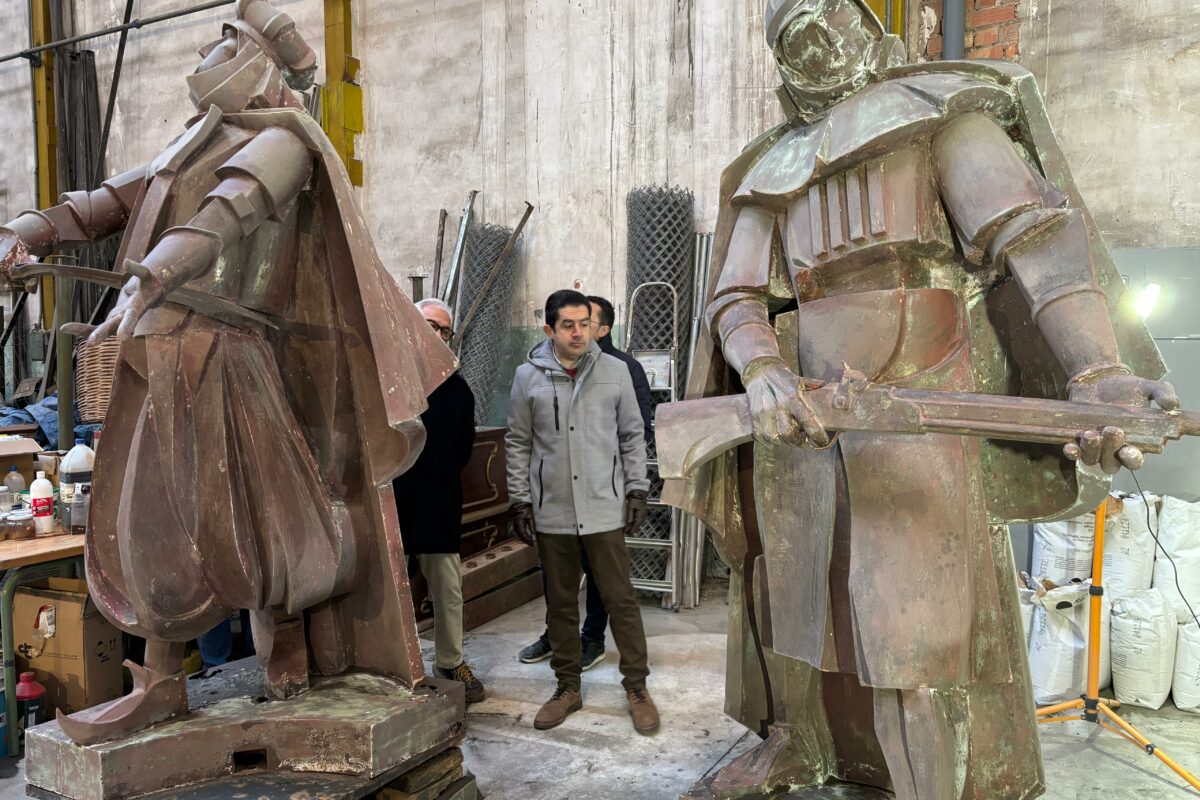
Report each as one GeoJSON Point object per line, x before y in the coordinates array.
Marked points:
{"type": "Point", "coordinates": [276, 34]}
{"type": "Point", "coordinates": [779, 13]}
{"type": "Point", "coordinates": [260, 55]}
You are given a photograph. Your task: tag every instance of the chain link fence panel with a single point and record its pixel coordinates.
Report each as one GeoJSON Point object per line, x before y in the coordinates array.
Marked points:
{"type": "Point", "coordinates": [483, 342]}
{"type": "Point", "coordinates": [661, 247]}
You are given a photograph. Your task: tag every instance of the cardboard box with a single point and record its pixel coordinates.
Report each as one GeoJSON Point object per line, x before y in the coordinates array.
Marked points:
{"type": "Point", "coordinates": [80, 662]}
{"type": "Point", "coordinates": [48, 461]}
{"type": "Point", "coordinates": [20, 452]}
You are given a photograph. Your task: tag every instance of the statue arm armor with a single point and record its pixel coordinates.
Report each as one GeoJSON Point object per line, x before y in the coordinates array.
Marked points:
{"type": "Point", "coordinates": [750, 284]}
{"type": "Point", "coordinates": [1009, 216]}
{"type": "Point", "coordinates": [80, 217]}
{"type": "Point", "coordinates": [258, 182]}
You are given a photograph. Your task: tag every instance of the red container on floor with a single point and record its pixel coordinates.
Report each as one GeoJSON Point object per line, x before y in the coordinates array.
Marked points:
{"type": "Point", "coordinates": [31, 699]}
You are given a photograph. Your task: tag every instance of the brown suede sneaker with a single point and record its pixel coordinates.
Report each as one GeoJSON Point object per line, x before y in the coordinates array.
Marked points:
{"type": "Point", "coordinates": [643, 711]}
{"type": "Point", "coordinates": [556, 709]}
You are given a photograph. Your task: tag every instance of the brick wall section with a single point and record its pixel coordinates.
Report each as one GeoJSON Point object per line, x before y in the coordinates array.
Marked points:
{"type": "Point", "coordinates": [993, 29]}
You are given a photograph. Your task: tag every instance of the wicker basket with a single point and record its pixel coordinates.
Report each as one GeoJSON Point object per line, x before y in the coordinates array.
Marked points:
{"type": "Point", "coordinates": [94, 368]}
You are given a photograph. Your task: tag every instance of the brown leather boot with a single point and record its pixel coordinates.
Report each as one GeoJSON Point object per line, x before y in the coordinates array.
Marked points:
{"type": "Point", "coordinates": [643, 711]}
{"type": "Point", "coordinates": [557, 708]}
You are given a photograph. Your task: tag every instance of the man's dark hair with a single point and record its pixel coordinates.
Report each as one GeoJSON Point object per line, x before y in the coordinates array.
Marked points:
{"type": "Point", "coordinates": [608, 315]}
{"type": "Point", "coordinates": [562, 299]}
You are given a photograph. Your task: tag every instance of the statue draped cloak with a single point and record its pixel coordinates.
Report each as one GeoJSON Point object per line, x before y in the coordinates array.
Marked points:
{"type": "Point", "coordinates": [248, 467]}
{"type": "Point", "coordinates": [776, 635]}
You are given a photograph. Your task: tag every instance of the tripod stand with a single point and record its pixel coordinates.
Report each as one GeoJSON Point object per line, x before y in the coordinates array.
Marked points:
{"type": "Point", "coordinates": [1092, 707]}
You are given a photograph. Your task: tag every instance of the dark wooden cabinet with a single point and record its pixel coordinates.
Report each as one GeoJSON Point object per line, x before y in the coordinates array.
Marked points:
{"type": "Point", "coordinates": [484, 479]}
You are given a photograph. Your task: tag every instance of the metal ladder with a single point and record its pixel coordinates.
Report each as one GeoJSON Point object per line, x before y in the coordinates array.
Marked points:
{"type": "Point", "coordinates": [659, 533]}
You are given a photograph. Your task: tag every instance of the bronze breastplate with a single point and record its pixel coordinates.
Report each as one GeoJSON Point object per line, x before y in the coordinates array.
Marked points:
{"type": "Point", "coordinates": [256, 273]}
{"type": "Point", "coordinates": [877, 226]}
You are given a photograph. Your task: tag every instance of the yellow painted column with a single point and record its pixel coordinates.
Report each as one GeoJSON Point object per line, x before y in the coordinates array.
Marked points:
{"type": "Point", "coordinates": [46, 131]}
{"type": "Point", "coordinates": [880, 7]}
{"type": "Point", "coordinates": [341, 97]}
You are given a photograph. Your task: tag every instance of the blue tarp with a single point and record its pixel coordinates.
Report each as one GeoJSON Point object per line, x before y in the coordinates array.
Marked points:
{"type": "Point", "coordinates": [45, 415]}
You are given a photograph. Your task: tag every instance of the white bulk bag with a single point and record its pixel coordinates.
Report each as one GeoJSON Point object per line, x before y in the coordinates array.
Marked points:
{"type": "Point", "coordinates": [1058, 644]}
{"type": "Point", "coordinates": [1186, 683]}
{"type": "Point", "coordinates": [1179, 533]}
{"type": "Point", "coordinates": [1129, 546]}
{"type": "Point", "coordinates": [1144, 633]}
{"type": "Point", "coordinates": [1062, 551]}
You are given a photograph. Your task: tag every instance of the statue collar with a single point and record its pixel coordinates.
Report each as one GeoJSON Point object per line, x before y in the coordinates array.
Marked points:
{"type": "Point", "coordinates": [909, 102]}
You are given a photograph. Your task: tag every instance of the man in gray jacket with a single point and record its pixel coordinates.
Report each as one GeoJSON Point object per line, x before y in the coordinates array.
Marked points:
{"type": "Point", "coordinates": [577, 480]}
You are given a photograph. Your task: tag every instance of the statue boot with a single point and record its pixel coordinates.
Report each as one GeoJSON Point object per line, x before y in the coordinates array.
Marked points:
{"type": "Point", "coordinates": [159, 693]}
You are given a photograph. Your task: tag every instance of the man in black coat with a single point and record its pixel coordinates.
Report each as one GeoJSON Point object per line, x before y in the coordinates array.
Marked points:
{"type": "Point", "coordinates": [429, 501]}
{"type": "Point", "coordinates": [591, 637]}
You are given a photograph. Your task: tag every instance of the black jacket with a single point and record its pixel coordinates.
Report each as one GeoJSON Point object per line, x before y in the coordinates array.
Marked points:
{"type": "Point", "coordinates": [641, 385]}
{"type": "Point", "coordinates": [429, 496]}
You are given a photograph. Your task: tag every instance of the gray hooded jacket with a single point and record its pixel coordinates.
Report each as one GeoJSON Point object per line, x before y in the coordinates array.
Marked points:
{"type": "Point", "coordinates": [575, 447]}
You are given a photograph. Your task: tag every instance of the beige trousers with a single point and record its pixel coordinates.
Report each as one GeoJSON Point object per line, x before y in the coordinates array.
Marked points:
{"type": "Point", "coordinates": [444, 575]}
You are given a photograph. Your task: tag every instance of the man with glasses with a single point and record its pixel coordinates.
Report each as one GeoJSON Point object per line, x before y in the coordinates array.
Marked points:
{"type": "Point", "coordinates": [429, 501]}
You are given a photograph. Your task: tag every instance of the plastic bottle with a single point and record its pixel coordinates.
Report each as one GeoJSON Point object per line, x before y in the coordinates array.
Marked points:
{"type": "Point", "coordinates": [75, 486]}
{"type": "Point", "coordinates": [79, 510]}
{"type": "Point", "coordinates": [14, 480]}
{"type": "Point", "coordinates": [41, 497]}
{"type": "Point", "coordinates": [31, 697]}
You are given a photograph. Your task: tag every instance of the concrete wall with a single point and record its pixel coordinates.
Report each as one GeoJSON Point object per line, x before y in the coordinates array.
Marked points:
{"type": "Point", "coordinates": [1122, 83]}
{"type": "Point", "coordinates": [566, 105]}
{"type": "Point", "coordinates": [18, 189]}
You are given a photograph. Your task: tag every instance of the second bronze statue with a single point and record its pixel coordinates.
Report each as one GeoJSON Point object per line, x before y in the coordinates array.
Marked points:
{"type": "Point", "coordinates": [922, 226]}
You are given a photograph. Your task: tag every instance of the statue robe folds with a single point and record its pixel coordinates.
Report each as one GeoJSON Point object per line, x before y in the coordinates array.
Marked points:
{"type": "Point", "coordinates": [250, 466]}
{"type": "Point", "coordinates": [885, 556]}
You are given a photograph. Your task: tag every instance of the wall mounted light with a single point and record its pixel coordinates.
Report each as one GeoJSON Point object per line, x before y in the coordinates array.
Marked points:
{"type": "Point", "coordinates": [1147, 300]}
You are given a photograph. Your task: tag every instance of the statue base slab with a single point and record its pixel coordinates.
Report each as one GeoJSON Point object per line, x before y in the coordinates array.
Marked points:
{"type": "Point", "coordinates": [830, 791]}
{"type": "Point", "coordinates": [350, 729]}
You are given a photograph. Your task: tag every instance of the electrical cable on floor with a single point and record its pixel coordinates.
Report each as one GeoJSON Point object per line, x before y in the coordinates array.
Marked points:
{"type": "Point", "coordinates": [1154, 533]}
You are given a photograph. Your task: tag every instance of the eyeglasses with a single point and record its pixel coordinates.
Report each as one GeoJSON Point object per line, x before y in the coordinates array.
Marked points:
{"type": "Point", "coordinates": [446, 333]}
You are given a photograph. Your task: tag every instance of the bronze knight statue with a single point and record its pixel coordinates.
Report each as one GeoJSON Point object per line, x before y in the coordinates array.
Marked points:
{"type": "Point", "coordinates": [909, 232]}
{"type": "Point", "coordinates": [269, 387]}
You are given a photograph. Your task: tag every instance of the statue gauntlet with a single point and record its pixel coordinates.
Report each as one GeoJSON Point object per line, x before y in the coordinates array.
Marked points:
{"type": "Point", "coordinates": [80, 217]}
{"type": "Point", "coordinates": [1047, 251]}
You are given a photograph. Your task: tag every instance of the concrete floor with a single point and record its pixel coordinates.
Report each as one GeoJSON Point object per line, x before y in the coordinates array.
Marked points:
{"type": "Point", "coordinates": [596, 754]}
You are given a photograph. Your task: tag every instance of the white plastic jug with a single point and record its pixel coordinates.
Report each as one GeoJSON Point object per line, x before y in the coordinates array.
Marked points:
{"type": "Point", "coordinates": [14, 480]}
{"type": "Point", "coordinates": [41, 498]}
{"type": "Point", "coordinates": [75, 486]}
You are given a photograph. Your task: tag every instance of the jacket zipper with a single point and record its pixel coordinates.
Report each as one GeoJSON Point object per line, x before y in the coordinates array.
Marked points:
{"type": "Point", "coordinates": [541, 487]}
{"type": "Point", "coordinates": [556, 425]}
{"type": "Point", "coordinates": [614, 477]}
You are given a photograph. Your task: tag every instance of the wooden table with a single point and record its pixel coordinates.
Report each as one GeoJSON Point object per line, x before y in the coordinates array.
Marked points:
{"type": "Point", "coordinates": [23, 552]}
{"type": "Point", "coordinates": [23, 561]}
